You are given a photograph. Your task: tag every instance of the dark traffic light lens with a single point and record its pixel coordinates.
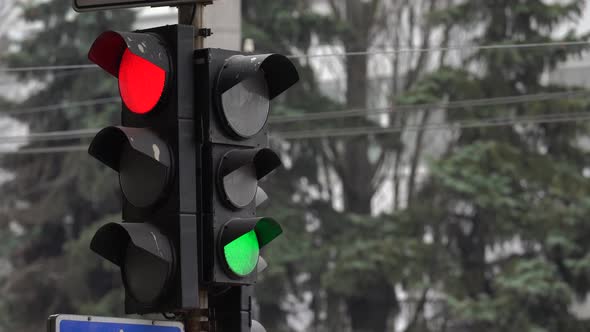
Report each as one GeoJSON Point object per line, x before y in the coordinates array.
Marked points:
{"type": "Point", "coordinates": [143, 179]}
{"type": "Point", "coordinates": [246, 106]}
{"type": "Point", "coordinates": [145, 275]}
{"type": "Point", "coordinates": [240, 186]}
{"type": "Point", "coordinates": [141, 83]}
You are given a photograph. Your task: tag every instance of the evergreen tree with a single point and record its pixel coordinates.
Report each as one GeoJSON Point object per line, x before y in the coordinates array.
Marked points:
{"type": "Point", "coordinates": [506, 206]}
{"type": "Point", "coordinates": [495, 188]}
{"type": "Point", "coordinates": [492, 240]}
{"type": "Point", "coordinates": [321, 238]}
{"type": "Point", "coordinates": [55, 197]}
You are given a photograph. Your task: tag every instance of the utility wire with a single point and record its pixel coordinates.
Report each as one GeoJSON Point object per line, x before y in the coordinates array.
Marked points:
{"type": "Point", "coordinates": [46, 68]}
{"type": "Point", "coordinates": [444, 49]}
{"type": "Point", "coordinates": [50, 136]}
{"type": "Point", "coordinates": [340, 113]}
{"type": "Point", "coordinates": [55, 107]}
{"type": "Point", "coordinates": [345, 54]}
{"type": "Point", "coordinates": [495, 122]}
{"type": "Point", "coordinates": [432, 106]}
{"type": "Point", "coordinates": [351, 132]}
{"type": "Point", "coordinates": [56, 149]}
{"type": "Point", "coordinates": [90, 132]}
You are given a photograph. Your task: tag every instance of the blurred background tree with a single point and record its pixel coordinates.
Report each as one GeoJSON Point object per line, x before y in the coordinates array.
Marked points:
{"type": "Point", "coordinates": [447, 222]}
{"type": "Point", "coordinates": [509, 204]}
{"type": "Point", "coordinates": [53, 199]}
{"type": "Point", "coordinates": [443, 259]}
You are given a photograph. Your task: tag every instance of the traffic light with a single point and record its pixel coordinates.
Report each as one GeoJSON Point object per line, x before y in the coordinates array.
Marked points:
{"type": "Point", "coordinates": [234, 92]}
{"type": "Point", "coordinates": [157, 156]}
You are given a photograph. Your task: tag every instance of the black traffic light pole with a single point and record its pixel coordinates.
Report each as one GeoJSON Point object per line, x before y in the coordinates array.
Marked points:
{"type": "Point", "coordinates": [196, 320]}
{"type": "Point", "coordinates": [194, 15]}
{"type": "Point", "coordinates": [233, 310]}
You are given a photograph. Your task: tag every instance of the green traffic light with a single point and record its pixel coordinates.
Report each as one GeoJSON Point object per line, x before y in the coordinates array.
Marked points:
{"type": "Point", "coordinates": [242, 254]}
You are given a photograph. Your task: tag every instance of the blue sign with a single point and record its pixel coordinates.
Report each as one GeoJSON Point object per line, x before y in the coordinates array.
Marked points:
{"type": "Point", "coordinates": [74, 323]}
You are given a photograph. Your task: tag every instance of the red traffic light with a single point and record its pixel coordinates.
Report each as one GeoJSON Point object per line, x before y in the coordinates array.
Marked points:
{"type": "Point", "coordinates": [140, 62]}
{"type": "Point", "coordinates": [141, 83]}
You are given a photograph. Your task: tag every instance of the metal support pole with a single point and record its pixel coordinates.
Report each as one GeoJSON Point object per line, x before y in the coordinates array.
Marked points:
{"type": "Point", "coordinates": [204, 318]}
{"type": "Point", "coordinates": [232, 310]}
{"type": "Point", "coordinates": [196, 320]}
{"type": "Point", "coordinates": [195, 15]}
{"type": "Point", "coordinates": [192, 321]}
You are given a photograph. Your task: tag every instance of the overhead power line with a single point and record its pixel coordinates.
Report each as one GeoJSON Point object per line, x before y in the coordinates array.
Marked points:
{"type": "Point", "coordinates": [45, 68]}
{"type": "Point", "coordinates": [50, 136]}
{"type": "Point", "coordinates": [331, 115]}
{"type": "Point", "coordinates": [340, 113]}
{"type": "Point", "coordinates": [495, 122]}
{"type": "Point", "coordinates": [55, 107]}
{"type": "Point", "coordinates": [345, 54]}
{"type": "Point", "coordinates": [444, 49]}
{"type": "Point", "coordinates": [56, 149]}
{"type": "Point", "coordinates": [432, 106]}
{"type": "Point", "coordinates": [337, 132]}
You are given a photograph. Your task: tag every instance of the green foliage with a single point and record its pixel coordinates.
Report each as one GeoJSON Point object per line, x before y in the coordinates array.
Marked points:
{"type": "Point", "coordinates": [512, 202]}
{"type": "Point", "coordinates": [93, 285]}
{"type": "Point", "coordinates": [495, 238]}
{"type": "Point", "coordinates": [77, 282]}
{"type": "Point", "coordinates": [57, 198]}
{"type": "Point", "coordinates": [496, 231]}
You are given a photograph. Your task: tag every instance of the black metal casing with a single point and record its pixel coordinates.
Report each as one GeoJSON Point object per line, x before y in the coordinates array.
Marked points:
{"type": "Point", "coordinates": [217, 142]}
{"type": "Point", "coordinates": [189, 168]}
{"type": "Point", "coordinates": [175, 214]}
{"type": "Point", "coordinates": [264, 77]}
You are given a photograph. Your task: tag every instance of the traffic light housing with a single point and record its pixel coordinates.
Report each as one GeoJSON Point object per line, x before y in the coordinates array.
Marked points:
{"type": "Point", "coordinates": [234, 92]}
{"type": "Point", "coordinates": [156, 153]}
{"type": "Point", "coordinates": [190, 153]}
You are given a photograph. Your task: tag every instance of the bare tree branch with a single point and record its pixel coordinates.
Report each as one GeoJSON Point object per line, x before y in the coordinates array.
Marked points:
{"type": "Point", "coordinates": [418, 146]}
{"type": "Point", "coordinates": [335, 10]}
{"type": "Point", "coordinates": [419, 310]}
{"type": "Point", "coordinates": [379, 171]}
{"type": "Point", "coordinates": [446, 38]}
{"type": "Point", "coordinates": [7, 13]}
{"type": "Point", "coordinates": [414, 73]}
{"type": "Point", "coordinates": [327, 172]}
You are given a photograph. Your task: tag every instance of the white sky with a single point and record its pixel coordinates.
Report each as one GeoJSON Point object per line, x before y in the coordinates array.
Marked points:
{"type": "Point", "coordinates": [585, 23]}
